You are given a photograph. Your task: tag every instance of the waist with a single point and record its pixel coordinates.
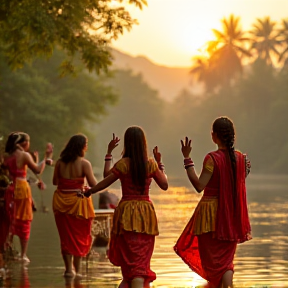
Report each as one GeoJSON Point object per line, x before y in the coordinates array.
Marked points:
{"type": "Point", "coordinates": [135, 197]}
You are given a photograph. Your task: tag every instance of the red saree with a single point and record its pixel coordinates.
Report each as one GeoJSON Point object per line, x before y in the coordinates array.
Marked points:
{"type": "Point", "coordinates": [134, 226]}
{"type": "Point", "coordinates": [73, 217]}
{"type": "Point", "coordinates": [208, 242]}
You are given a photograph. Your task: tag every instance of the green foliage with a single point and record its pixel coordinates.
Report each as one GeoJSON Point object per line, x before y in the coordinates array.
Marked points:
{"type": "Point", "coordinates": [32, 28]}
{"type": "Point", "coordinates": [49, 108]}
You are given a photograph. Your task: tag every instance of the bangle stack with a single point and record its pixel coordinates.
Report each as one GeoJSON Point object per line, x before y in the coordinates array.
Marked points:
{"type": "Point", "coordinates": [188, 163]}
{"type": "Point", "coordinates": [161, 166]}
{"type": "Point", "coordinates": [108, 157]}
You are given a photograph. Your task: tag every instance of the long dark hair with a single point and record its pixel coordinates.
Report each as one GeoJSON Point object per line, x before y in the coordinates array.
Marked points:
{"type": "Point", "coordinates": [74, 148]}
{"type": "Point", "coordinates": [224, 128]}
{"type": "Point", "coordinates": [15, 138]}
{"type": "Point", "coordinates": [135, 148]}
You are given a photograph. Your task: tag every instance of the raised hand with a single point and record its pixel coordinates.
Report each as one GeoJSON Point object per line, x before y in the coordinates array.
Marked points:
{"type": "Point", "coordinates": [113, 144]}
{"type": "Point", "coordinates": [157, 154]}
{"type": "Point", "coordinates": [186, 147]}
{"type": "Point", "coordinates": [49, 150]}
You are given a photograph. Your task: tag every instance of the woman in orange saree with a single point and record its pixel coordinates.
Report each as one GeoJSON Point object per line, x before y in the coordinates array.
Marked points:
{"type": "Point", "coordinates": [220, 221]}
{"type": "Point", "coordinates": [73, 213]}
{"type": "Point", "coordinates": [18, 198]}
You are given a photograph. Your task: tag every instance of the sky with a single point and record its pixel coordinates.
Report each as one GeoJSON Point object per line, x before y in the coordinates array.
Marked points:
{"type": "Point", "coordinates": [171, 32]}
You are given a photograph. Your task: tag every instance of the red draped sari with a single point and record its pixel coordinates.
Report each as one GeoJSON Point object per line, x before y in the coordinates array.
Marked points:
{"type": "Point", "coordinates": [208, 242]}
{"type": "Point", "coordinates": [134, 225]}
{"type": "Point", "coordinates": [73, 216]}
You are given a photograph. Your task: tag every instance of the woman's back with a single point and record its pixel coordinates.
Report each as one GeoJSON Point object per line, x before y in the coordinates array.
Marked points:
{"type": "Point", "coordinates": [122, 169]}
{"type": "Point", "coordinates": [71, 170]}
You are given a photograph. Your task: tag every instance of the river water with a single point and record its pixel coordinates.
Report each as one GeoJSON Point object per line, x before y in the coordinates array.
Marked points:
{"type": "Point", "coordinates": [261, 262]}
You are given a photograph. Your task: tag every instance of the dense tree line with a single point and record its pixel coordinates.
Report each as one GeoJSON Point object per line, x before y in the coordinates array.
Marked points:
{"type": "Point", "coordinates": [254, 94]}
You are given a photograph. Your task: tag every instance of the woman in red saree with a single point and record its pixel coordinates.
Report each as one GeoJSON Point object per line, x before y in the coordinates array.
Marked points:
{"type": "Point", "coordinates": [134, 222]}
{"type": "Point", "coordinates": [18, 198]}
{"type": "Point", "coordinates": [220, 221]}
{"type": "Point", "coordinates": [73, 213]}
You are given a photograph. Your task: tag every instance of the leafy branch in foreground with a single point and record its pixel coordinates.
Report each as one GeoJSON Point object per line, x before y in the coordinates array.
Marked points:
{"type": "Point", "coordinates": [33, 28]}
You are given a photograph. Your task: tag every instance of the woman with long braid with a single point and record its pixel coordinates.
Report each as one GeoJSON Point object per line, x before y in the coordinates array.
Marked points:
{"type": "Point", "coordinates": [220, 221]}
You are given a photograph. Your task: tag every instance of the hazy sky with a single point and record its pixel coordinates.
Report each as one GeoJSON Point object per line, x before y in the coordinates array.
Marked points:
{"type": "Point", "coordinates": [171, 31]}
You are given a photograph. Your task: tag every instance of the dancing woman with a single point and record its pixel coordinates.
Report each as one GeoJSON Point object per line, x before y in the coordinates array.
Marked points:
{"type": "Point", "coordinates": [220, 221]}
{"type": "Point", "coordinates": [73, 213]}
{"type": "Point", "coordinates": [134, 222]}
{"type": "Point", "coordinates": [18, 198]}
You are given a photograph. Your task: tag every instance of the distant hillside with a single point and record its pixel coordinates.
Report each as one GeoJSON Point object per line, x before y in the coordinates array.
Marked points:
{"type": "Point", "coordinates": [168, 81]}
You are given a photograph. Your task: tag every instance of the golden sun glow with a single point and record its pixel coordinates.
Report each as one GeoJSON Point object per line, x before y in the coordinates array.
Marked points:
{"type": "Point", "coordinates": [171, 32]}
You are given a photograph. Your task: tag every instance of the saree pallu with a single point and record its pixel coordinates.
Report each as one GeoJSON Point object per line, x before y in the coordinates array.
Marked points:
{"type": "Point", "coordinates": [133, 236]}
{"type": "Point", "coordinates": [209, 240]}
{"type": "Point", "coordinates": [73, 217]}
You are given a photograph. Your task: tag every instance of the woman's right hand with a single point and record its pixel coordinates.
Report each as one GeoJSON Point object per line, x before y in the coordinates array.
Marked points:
{"type": "Point", "coordinates": [186, 147]}
{"type": "Point", "coordinates": [157, 154]}
{"type": "Point", "coordinates": [113, 144]}
{"type": "Point", "coordinates": [49, 150]}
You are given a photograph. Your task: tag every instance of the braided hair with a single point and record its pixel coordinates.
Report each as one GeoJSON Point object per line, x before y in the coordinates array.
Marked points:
{"type": "Point", "coordinates": [224, 129]}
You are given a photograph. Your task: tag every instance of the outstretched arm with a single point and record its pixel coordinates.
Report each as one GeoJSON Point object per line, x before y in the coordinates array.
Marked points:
{"type": "Point", "coordinates": [106, 182]}
{"type": "Point", "coordinates": [108, 158]}
{"type": "Point", "coordinates": [199, 183]}
{"type": "Point", "coordinates": [160, 176]}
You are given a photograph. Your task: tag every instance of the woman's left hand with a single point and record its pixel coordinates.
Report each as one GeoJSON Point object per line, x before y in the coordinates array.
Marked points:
{"type": "Point", "coordinates": [186, 147]}
{"type": "Point", "coordinates": [113, 144]}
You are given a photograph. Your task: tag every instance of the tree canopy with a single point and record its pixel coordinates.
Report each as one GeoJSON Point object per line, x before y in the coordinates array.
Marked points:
{"type": "Point", "coordinates": [31, 28]}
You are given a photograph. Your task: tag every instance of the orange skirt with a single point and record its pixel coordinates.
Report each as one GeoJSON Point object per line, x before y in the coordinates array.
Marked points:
{"type": "Point", "coordinates": [75, 234]}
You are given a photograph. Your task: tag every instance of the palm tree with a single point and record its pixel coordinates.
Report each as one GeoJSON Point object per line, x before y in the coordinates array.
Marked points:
{"type": "Point", "coordinates": [203, 72]}
{"type": "Point", "coordinates": [283, 36]}
{"type": "Point", "coordinates": [265, 39]}
{"type": "Point", "coordinates": [227, 51]}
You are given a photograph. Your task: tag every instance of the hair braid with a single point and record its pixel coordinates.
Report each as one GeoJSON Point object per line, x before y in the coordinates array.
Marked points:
{"type": "Point", "coordinates": [224, 128]}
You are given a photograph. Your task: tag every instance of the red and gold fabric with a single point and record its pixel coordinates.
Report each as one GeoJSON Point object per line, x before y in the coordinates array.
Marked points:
{"type": "Point", "coordinates": [134, 224]}
{"type": "Point", "coordinates": [73, 216]}
{"type": "Point", "coordinates": [18, 200]}
{"type": "Point", "coordinates": [208, 242]}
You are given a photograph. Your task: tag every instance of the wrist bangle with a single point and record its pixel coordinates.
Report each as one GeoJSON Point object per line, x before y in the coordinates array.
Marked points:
{"type": "Point", "coordinates": [161, 166]}
{"type": "Point", "coordinates": [188, 166]}
{"type": "Point", "coordinates": [108, 157]}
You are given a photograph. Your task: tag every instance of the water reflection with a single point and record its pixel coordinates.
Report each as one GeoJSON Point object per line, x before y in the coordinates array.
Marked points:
{"type": "Point", "coordinates": [262, 262]}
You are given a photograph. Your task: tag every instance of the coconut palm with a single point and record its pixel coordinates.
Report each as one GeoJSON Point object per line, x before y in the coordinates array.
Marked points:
{"type": "Point", "coordinates": [203, 72]}
{"type": "Point", "coordinates": [227, 51]}
{"type": "Point", "coordinates": [283, 36]}
{"type": "Point", "coordinates": [265, 39]}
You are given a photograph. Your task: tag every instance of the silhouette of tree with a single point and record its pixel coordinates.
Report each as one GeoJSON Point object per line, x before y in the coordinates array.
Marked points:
{"type": "Point", "coordinates": [226, 52]}
{"type": "Point", "coordinates": [265, 39]}
{"type": "Point", "coordinates": [283, 35]}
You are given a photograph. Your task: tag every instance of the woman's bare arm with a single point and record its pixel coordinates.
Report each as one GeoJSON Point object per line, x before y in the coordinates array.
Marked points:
{"type": "Point", "coordinates": [56, 173]}
{"type": "Point", "coordinates": [36, 168]}
{"type": "Point", "coordinates": [199, 183]}
{"type": "Point", "coordinates": [106, 182]}
{"type": "Point", "coordinates": [161, 179]}
{"type": "Point", "coordinates": [88, 172]}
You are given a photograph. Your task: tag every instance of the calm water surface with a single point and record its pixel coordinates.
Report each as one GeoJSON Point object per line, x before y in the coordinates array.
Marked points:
{"type": "Point", "coordinates": [261, 262]}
